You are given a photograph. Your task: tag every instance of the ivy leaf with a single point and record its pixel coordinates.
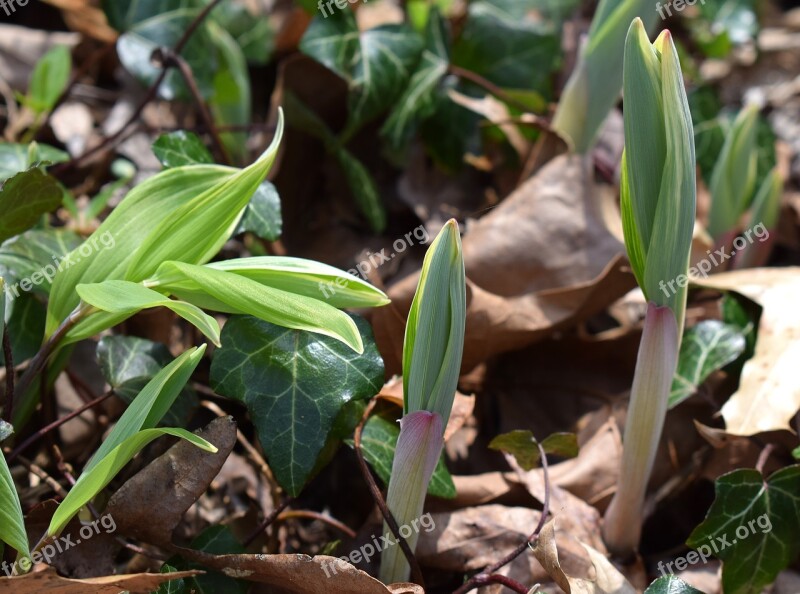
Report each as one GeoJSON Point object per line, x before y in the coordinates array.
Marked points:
{"type": "Point", "coordinates": [181, 148]}
{"type": "Point", "coordinates": [124, 14]}
{"type": "Point", "coordinates": [128, 363]}
{"type": "Point", "coordinates": [752, 526]}
{"type": "Point", "coordinates": [706, 347]}
{"type": "Point", "coordinates": [364, 189]}
{"type": "Point", "coordinates": [14, 158]}
{"type": "Point", "coordinates": [24, 198]}
{"type": "Point", "coordinates": [671, 584]}
{"type": "Point", "coordinates": [418, 101]}
{"type": "Point", "coordinates": [263, 213]}
{"type": "Point", "coordinates": [502, 49]}
{"type": "Point", "coordinates": [172, 586]}
{"type": "Point", "coordinates": [214, 540]}
{"type": "Point", "coordinates": [523, 446]}
{"type": "Point", "coordinates": [294, 383]}
{"type": "Point", "coordinates": [376, 63]}
{"type": "Point", "coordinates": [378, 443]}
{"type": "Point", "coordinates": [138, 43]}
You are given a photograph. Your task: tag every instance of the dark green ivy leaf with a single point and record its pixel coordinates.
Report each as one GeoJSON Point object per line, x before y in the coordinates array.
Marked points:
{"type": "Point", "coordinates": [706, 347]}
{"type": "Point", "coordinates": [671, 584]}
{"type": "Point", "coordinates": [263, 214]}
{"type": "Point", "coordinates": [294, 384]}
{"type": "Point", "coordinates": [24, 198]}
{"type": "Point", "coordinates": [172, 586]}
{"type": "Point", "coordinates": [510, 52]}
{"type": "Point", "coordinates": [418, 100]}
{"type": "Point", "coordinates": [378, 444]}
{"type": "Point", "coordinates": [14, 158]}
{"type": "Point", "coordinates": [752, 526]}
{"type": "Point", "coordinates": [181, 148]}
{"type": "Point", "coordinates": [214, 540]}
{"type": "Point", "coordinates": [377, 63]}
{"type": "Point", "coordinates": [128, 363]}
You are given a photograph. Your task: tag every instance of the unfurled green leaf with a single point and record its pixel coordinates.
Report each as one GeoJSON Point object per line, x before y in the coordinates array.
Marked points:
{"type": "Point", "coordinates": [183, 213]}
{"type": "Point", "coordinates": [240, 294]}
{"type": "Point", "coordinates": [378, 443]}
{"type": "Point", "coordinates": [12, 523]}
{"type": "Point", "coordinates": [376, 63]}
{"type": "Point", "coordinates": [734, 177]}
{"type": "Point", "coordinates": [418, 100]}
{"type": "Point", "coordinates": [181, 148]}
{"type": "Point", "coordinates": [94, 480]}
{"type": "Point", "coordinates": [24, 198]}
{"type": "Point", "coordinates": [752, 527]}
{"type": "Point", "coordinates": [364, 189]}
{"type": "Point", "coordinates": [706, 347]}
{"type": "Point", "coordinates": [128, 363]}
{"type": "Point", "coordinates": [434, 339]}
{"type": "Point", "coordinates": [150, 406]}
{"type": "Point", "coordinates": [14, 158]}
{"type": "Point", "coordinates": [294, 384]}
{"type": "Point", "coordinates": [123, 297]}
{"type": "Point", "coordinates": [294, 275]}
{"type": "Point", "coordinates": [263, 214]}
{"type": "Point", "coordinates": [564, 445]}
{"type": "Point", "coordinates": [49, 79]}
{"type": "Point", "coordinates": [594, 86]}
{"type": "Point", "coordinates": [671, 584]}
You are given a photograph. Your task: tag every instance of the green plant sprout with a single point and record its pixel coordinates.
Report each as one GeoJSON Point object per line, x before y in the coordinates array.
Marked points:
{"type": "Point", "coordinates": [658, 196]}
{"type": "Point", "coordinates": [434, 343]}
{"type": "Point", "coordinates": [594, 85]}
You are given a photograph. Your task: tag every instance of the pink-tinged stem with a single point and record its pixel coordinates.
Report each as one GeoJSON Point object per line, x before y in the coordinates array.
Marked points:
{"type": "Point", "coordinates": [416, 455]}
{"type": "Point", "coordinates": [652, 380]}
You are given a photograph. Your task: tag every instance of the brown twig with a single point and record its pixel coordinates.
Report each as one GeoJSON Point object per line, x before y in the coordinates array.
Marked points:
{"type": "Point", "coordinates": [152, 91]}
{"type": "Point", "coordinates": [42, 474]}
{"type": "Point", "coordinates": [499, 93]}
{"type": "Point", "coordinates": [168, 59]}
{"type": "Point", "coordinates": [478, 578]}
{"type": "Point", "coordinates": [9, 358]}
{"type": "Point", "coordinates": [55, 424]}
{"type": "Point", "coordinates": [312, 515]}
{"type": "Point", "coordinates": [268, 520]}
{"type": "Point", "coordinates": [416, 572]}
{"type": "Point", "coordinates": [509, 583]}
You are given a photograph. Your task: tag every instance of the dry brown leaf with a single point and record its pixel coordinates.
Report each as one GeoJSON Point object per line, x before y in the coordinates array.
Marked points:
{"type": "Point", "coordinates": [84, 17]}
{"type": "Point", "coordinates": [49, 582]}
{"type": "Point", "coordinates": [769, 391]}
{"type": "Point", "coordinates": [296, 574]}
{"type": "Point", "coordinates": [497, 113]}
{"type": "Point", "coordinates": [541, 260]}
{"type": "Point", "coordinates": [150, 504]}
{"type": "Point", "coordinates": [607, 580]}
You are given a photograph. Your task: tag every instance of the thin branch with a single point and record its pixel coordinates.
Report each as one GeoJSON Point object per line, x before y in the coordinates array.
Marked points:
{"type": "Point", "coordinates": [169, 59]}
{"type": "Point", "coordinates": [509, 583]}
{"type": "Point", "coordinates": [312, 515]}
{"type": "Point", "coordinates": [268, 520]}
{"type": "Point", "coordinates": [476, 580]}
{"type": "Point", "coordinates": [416, 572]}
{"type": "Point", "coordinates": [55, 424]}
{"type": "Point", "coordinates": [152, 91]}
{"type": "Point", "coordinates": [764, 456]}
{"type": "Point", "coordinates": [9, 372]}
